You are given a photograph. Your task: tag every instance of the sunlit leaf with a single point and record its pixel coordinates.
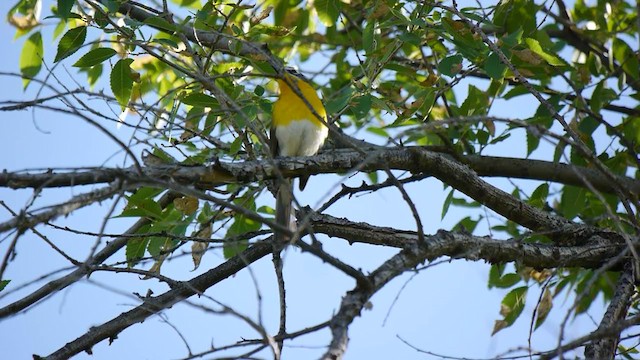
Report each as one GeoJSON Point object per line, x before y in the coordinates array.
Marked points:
{"type": "Point", "coordinates": [122, 81]}
{"type": "Point", "coordinates": [328, 11]}
{"type": "Point", "coordinates": [94, 57]}
{"type": "Point", "coordinates": [160, 23]}
{"type": "Point", "coordinates": [535, 46]}
{"type": "Point", "coordinates": [31, 57]}
{"type": "Point", "coordinates": [199, 99]}
{"type": "Point", "coordinates": [71, 41]}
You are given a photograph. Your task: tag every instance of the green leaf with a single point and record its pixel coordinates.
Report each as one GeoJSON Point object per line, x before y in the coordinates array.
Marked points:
{"type": "Point", "coordinates": [447, 203]}
{"type": "Point", "coordinates": [141, 203]}
{"type": "Point", "coordinates": [144, 208]}
{"type": "Point", "coordinates": [588, 125]}
{"type": "Point", "coordinates": [627, 58]}
{"type": "Point", "coordinates": [93, 74]}
{"type": "Point", "coordinates": [122, 82]}
{"type": "Point", "coordinates": [476, 102]}
{"type": "Point", "coordinates": [31, 57]}
{"type": "Point", "coordinates": [601, 96]}
{"type": "Point", "coordinates": [160, 23]}
{"type": "Point", "coordinates": [135, 249]}
{"type": "Point", "coordinates": [450, 65]}
{"type": "Point", "coordinates": [328, 11]}
{"type": "Point", "coordinates": [533, 141]}
{"type": "Point", "coordinates": [494, 67]}
{"type": "Point", "coordinates": [360, 106]}
{"type": "Point", "coordinates": [71, 41]}
{"type": "Point", "coordinates": [199, 99]}
{"type": "Point", "coordinates": [496, 279]}
{"type": "Point", "coordinates": [186, 3]}
{"type": "Point", "coordinates": [64, 8]}
{"type": "Point", "coordinates": [158, 245]}
{"type": "Point", "coordinates": [539, 196]}
{"type": "Point", "coordinates": [514, 38]}
{"type": "Point", "coordinates": [535, 46]}
{"type": "Point", "coordinates": [511, 308]}
{"type": "Point", "coordinates": [467, 224]}
{"type": "Point", "coordinates": [3, 284]}
{"type": "Point", "coordinates": [368, 37]}
{"type": "Point", "coordinates": [241, 225]}
{"type": "Point", "coordinates": [339, 101]}
{"type": "Point", "coordinates": [95, 57]}
{"type": "Point", "coordinates": [516, 15]}
{"type": "Point", "coordinates": [378, 131]}
{"type": "Point", "coordinates": [572, 201]}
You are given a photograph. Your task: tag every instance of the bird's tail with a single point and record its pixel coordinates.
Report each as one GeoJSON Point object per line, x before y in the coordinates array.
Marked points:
{"type": "Point", "coordinates": [284, 198]}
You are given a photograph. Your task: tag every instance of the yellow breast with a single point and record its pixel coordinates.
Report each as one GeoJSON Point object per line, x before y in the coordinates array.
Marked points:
{"type": "Point", "coordinates": [290, 107]}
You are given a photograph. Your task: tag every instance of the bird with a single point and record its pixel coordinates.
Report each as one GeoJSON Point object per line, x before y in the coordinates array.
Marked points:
{"type": "Point", "coordinates": [295, 130]}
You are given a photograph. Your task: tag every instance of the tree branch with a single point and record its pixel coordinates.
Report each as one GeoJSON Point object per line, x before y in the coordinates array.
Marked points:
{"type": "Point", "coordinates": [23, 221]}
{"type": "Point", "coordinates": [458, 245]}
{"type": "Point", "coordinates": [153, 305]}
{"type": "Point", "coordinates": [58, 284]}
{"type": "Point", "coordinates": [220, 173]}
{"type": "Point", "coordinates": [605, 347]}
{"type": "Point", "coordinates": [443, 243]}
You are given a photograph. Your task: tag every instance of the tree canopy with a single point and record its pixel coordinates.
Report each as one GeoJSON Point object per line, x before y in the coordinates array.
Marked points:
{"type": "Point", "coordinates": [525, 112]}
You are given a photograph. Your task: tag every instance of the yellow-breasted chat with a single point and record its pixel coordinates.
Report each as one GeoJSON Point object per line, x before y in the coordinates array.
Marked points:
{"type": "Point", "coordinates": [295, 131]}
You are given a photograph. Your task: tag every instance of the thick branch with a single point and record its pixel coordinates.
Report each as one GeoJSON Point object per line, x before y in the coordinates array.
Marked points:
{"type": "Point", "coordinates": [605, 347]}
{"type": "Point", "coordinates": [327, 162]}
{"type": "Point", "coordinates": [153, 305]}
{"type": "Point", "coordinates": [415, 159]}
{"type": "Point", "coordinates": [459, 245]}
{"type": "Point", "coordinates": [455, 245]}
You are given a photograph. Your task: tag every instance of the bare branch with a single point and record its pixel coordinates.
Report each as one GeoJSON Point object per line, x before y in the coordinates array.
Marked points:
{"type": "Point", "coordinates": [605, 347]}
{"type": "Point", "coordinates": [60, 283]}
{"type": "Point", "coordinates": [459, 245]}
{"type": "Point", "coordinates": [24, 221]}
{"type": "Point", "coordinates": [153, 305]}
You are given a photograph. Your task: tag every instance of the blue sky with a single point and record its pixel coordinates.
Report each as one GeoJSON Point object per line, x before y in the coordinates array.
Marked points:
{"type": "Point", "coordinates": [445, 309]}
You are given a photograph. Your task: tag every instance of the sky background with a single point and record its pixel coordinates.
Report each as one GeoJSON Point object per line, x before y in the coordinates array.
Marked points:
{"type": "Point", "coordinates": [445, 309]}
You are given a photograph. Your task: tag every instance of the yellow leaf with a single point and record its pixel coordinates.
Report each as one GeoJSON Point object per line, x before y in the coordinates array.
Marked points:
{"type": "Point", "coordinates": [491, 127]}
{"type": "Point", "coordinates": [24, 23]}
{"type": "Point", "coordinates": [188, 204]}
{"type": "Point", "coordinates": [540, 276]}
{"type": "Point", "coordinates": [498, 325]}
{"type": "Point", "coordinates": [198, 248]}
{"type": "Point", "coordinates": [155, 269]}
{"type": "Point", "coordinates": [528, 56]}
{"type": "Point", "coordinates": [263, 15]}
{"type": "Point", "coordinates": [544, 307]}
{"type": "Point", "coordinates": [504, 310]}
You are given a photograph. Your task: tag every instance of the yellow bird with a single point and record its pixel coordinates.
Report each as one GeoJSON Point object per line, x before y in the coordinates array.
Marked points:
{"type": "Point", "coordinates": [295, 131]}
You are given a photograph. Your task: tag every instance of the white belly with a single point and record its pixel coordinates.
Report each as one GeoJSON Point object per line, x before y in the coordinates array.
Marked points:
{"type": "Point", "coordinates": [300, 138]}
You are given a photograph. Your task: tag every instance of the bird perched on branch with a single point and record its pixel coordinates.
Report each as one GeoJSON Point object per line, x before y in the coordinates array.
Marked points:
{"type": "Point", "coordinates": [296, 130]}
